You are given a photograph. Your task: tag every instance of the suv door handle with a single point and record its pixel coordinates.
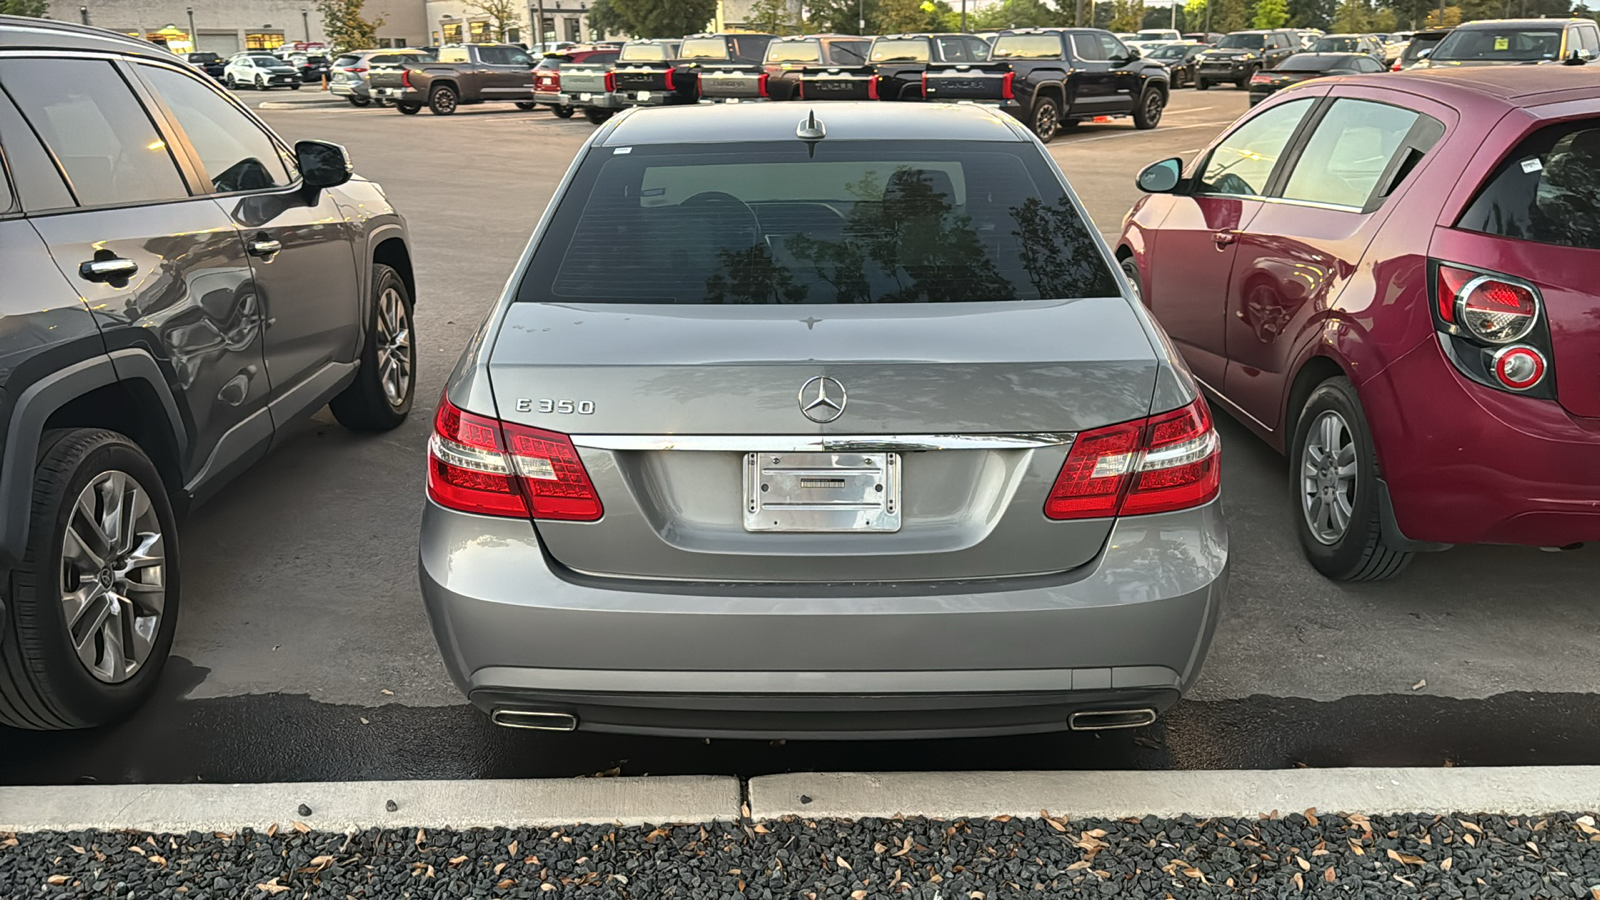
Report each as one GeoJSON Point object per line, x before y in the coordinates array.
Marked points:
{"type": "Point", "coordinates": [1224, 238]}
{"type": "Point", "coordinates": [264, 247]}
{"type": "Point", "coordinates": [107, 269]}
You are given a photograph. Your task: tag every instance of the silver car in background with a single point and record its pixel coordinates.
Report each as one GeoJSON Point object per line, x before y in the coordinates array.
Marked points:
{"type": "Point", "coordinates": [838, 427]}
{"type": "Point", "coordinates": [349, 72]}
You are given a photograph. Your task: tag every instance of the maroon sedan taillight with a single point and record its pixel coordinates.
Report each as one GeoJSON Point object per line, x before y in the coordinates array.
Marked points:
{"type": "Point", "coordinates": [1491, 328]}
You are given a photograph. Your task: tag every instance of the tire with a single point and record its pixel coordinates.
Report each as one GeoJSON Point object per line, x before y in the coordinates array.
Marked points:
{"type": "Point", "coordinates": [294, 87]}
{"type": "Point", "coordinates": [1201, 84]}
{"type": "Point", "coordinates": [526, 106]}
{"type": "Point", "coordinates": [563, 112]}
{"type": "Point", "coordinates": [45, 683]}
{"type": "Point", "coordinates": [443, 100]}
{"type": "Point", "coordinates": [1130, 270]}
{"type": "Point", "coordinates": [359, 101]}
{"type": "Point", "coordinates": [595, 115]}
{"type": "Point", "coordinates": [1357, 551]}
{"type": "Point", "coordinates": [261, 84]}
{"type": "Point", "coordinates": [380, 397]}
{"type": "Point", "coordinates": [229, 83]}
{"type": "Point", "coordinates": [408, 109]}
{"type": "Point", "coordinates": [1045, 120]}
{"type": "Point", "coordinates": [1147, 114]}
{"type": "Point", "coordinates": [1243, 84]}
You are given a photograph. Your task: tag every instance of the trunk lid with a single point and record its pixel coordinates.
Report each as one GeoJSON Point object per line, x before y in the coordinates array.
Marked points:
{"type": "Point", "coordinates": [730, 80]}
{"type": "Point", "coordinates": [669, 435]}
{"type": "Point", "coordinates": [967, 81]}
{"type": "Point", "coordinates": [582, 79]}
{"type": "Point", "coordinates": [386, 76]}
{"type": "Point", "coordinates": [838, 83]}
{"type": "Point", "coordinates": [642, 76]}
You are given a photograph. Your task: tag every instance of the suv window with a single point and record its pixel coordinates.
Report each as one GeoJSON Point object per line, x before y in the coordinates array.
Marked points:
{"type": "Point", "coordinates": [794, 52]}
{"type": "Point", "coordinates": [849, 53]}
{"type": "Point", "coordinates": [978, 49]}
{"type": "Point", "coordinates": [1547, 190]}
{"type": "Point", "coordinates": [644, 53]}
{"type": "Point", "coordinates": [1027, 46]}
{"type": "Point", "coordinates": [1088, 47]}
{"type": "Point", "coordinates": [345, 62]}
{"type": "Point", "coordinates": [236, 153]}
{"type": "Point", "coordinates": [904, 50]}
{"type": "Point", "coordinates": [38, 181]}
{"type": "Point", "coordinates": [952, 49]}
{"type": "Point", "coordinates": [704, 48]}
{"type": "Point", "coordinates": [1243, 162]}
{"type": "Point", "coordinates": [1348, 152]}
{"type": "Point", "coordinates": [1589, 39]}
{"type": "Point", "coordinates": [1113, 48]}
{"type": "Point", "coordinates": [864, 222]}
{"type": "Point", "coordinates": [504, 56]}
{"type": "Point", "coordinates": [97, 129]}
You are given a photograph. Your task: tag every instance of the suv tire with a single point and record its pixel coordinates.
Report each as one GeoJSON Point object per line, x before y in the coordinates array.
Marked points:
{"type": "Point", "coordinates": [380, 397]}
{"type": "Point", "coordinates": [596, 115]}
{"type": "Point", "coordinates": [408, 109]}
{"type": "Point", "coordinates": [1200, 84]}
{"type": "Point", "coordinates": [1147, 114]}
{"type": "Point", "coordinates": [443, 100]}
{"type": "Point", "coordinates": [359, 101]}
{"type": "Point", "coordinates": [1045, 120]}
{"type": "Point", "coordinates": [98, 503]}
{"type": "Point", "coordinates": [563, 112]}
{"type": "Point", "coordinates": [1331, 434]}
{"type": "Point", "coordinates": [1244, 82]}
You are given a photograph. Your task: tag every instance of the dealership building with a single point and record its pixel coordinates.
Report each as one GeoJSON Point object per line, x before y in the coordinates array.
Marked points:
{"type": "Point", "coordinates": [228, 26]}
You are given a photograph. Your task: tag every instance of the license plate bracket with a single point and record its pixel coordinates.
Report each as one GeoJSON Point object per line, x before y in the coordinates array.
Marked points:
{"type": "Point", "coordinates": [820, 492]}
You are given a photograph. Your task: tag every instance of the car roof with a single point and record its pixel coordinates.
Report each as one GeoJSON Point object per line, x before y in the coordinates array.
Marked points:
{"type": "Point", "coordinates": [19, 32]}
{"type": "Point", "coordinates": [842, 121]}
{"type": "Point", "coordinates": [1474, 86]}
{"type": "Point", "coordinates": [1520, 23]}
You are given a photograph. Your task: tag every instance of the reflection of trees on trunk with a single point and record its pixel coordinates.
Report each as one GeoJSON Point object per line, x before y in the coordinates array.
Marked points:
{"type": "Point", "coordinates": [1058, 253]}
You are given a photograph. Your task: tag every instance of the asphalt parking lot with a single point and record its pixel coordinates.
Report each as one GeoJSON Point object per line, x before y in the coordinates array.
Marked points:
{"type": "Point", "coordinates": [303, 651]}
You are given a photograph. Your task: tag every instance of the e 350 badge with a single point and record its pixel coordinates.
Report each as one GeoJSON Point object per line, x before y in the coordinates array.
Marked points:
{"type": "Point", "coordinates": [563, 407]}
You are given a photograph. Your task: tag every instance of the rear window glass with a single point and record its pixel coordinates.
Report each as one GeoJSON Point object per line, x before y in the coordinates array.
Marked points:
{"type": "Point", "coordinates": [345, 62]}
{"type": "Point", "coordinates": [644, 53]}
{"type": "Point", "coordinates": [704, 48]}
{"type": "Point", "coordinates": [1027, 46]}
{"type": "Point", "coordinates": [1505, 44]}
{"type": "Point", "coordinates": [796, 51]}
{"type": "Point", "coordinates": [899, 51]}
{"type": "Point", "coordinates": [1337, 45]}
{"type": "Point", "coordinates": [1306, 62]}
{"type": "Point", "coordinates": [859, 222]}
{"type": "Point", "coordinates": [1548, 190]}
{"type": "Point", "coordinates": [1243, 42]}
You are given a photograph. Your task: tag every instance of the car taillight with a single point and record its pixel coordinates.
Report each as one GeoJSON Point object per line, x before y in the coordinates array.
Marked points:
{"type": "Point", "coordinates": [356, 69]}
{"type": "Point", "coordinates": [1162, 463]}
{"type": "Point", "coordinates": [670, 85]}
{"type": "Point", "coordinates": [1008, 86]}
{"type": "Point", "coordinates": [405, 78]}
{"type": "Point", "coordinates": [761, 85]}
{"type": "Point", "coordinates": [1397, 67]}
{"type": "Point", "coordinates": [800, 89]}
{"type": "Point", "coordinates": [1260, 78]}
{"type": "Point", "coordinates": [611, 82]}
{"type": "Point", "coordinates": [924, 85]}
{"type": "Point", "coordinates": [872, 87]}
{"type": "Point", "coordinates": [1490, 308]}
{"type": "Point", "coordinates": [1519, 368]}
{"type": "Point", "coordinates": [481, 465]}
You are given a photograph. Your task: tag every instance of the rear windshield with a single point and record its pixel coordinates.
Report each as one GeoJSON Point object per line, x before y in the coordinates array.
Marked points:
{"type": "Point", "coordinates": [858, 222]}
{"type": "Point", "coordinates": [1548, 190]}
{"type": "Point", "coordinates": [794, 51]}
{"type": "Point", "coordinates": [1242, 41]}
{"type": "Point", "coordinates": [1337, 45]}
{"type": "Point", "coordinates": [644, 53]}
{"type": "Point", "coordinates": [203, 57]}
{"type": "Point", "coordinates": [1507, 44]}
{"type": "Point", "coordinates": [1311, 62]}
{"type": "Point", "coordinates": [1157, 35]}
{"type": "Point", "coordinates": [1419, 43]}
{"type": "Point", "coordinates": [345, 62]}
{"type": "Point", "coordinates": [1171, 51]}
{"type": "Point", "coordinates": [899, 51]}
{"type": "Point", "coordinates": [704, 48]}
{"type": "Point", "coordinates": [267, 61]}
{"type": "Point", "coordinates": [1027, 46]}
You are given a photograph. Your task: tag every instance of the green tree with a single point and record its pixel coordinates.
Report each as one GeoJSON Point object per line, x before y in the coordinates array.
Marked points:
{"type": "Point", "coordinates": [1451, 18]}
{"type": "Point", "coordinates": [664, 18]}
{"type": "Point", "coordinates": [1271, 13]}
{"type": "Point", "coordinates": [1126, 15]}
{"type": "Point", "coordinates": [1352, 17]}
{"type": "Point", "coordinates": [34, 8]}
{"type": "Point", "coordinates": [1229, 15]}
{"type": "Point", "coordinates": [898, 17]}
{"type": "Point", "coordinates": [504, 15]}
{"type": "Point", "coordinates": [344, 24]}
{"type": "Point", "coordinates": [603, 20]}
{"type": "Point", "coordinates": [1316, 13]}
{"type": "Point", "coordinates": [1016, 14]}
{"type": "Point", "coordinates": [775, 16]}
{"type": "Point", "coordinates": [1194, 15]}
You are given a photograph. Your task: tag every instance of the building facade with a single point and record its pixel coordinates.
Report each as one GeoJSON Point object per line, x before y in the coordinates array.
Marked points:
{"type": "Point", "coordinates": [462, 21]}
{"type": "Point", "coordinates": [228, 26]}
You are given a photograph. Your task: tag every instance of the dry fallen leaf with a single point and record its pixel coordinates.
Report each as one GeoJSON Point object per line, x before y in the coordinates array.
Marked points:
{"type": "Point", "coordinates": [1420, 685]}
{"type": "Point", "coordinates": [458, 860]}
{"type": "Point", "coordinates": [1330, 876]}
{"type": "Point", "coordinates": [1301, 862]}
{"type": "Point", "coordinates": [1080, 864]}
{"type": "Point", "coordinates": [157, 859]}
{"type": "Point", "coordinates": [1311, 817]}
{"type": "Point", "coordinates": [1406, 858]}
{"type": "Point", "coordinates": [1299, 882]}
{"type": "Point", "coordinates": [504, 883]}
{"type": "Point", "coordinates": [272, 887]}
{"type": "Point", "coordinates": [302, 827]}
{"type": "Point", "coordinates": [58, 880]}
{"type": "Point", "coordinates": [1448, 862]}
{"type": "Point", "coordinates": [842, 863]}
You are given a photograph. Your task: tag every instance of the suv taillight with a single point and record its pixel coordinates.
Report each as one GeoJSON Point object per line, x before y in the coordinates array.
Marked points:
{"type": "Point", "coordinates": [1491, 328]}
{"type": "Point", "coordinates": [1162, 463]}
{"type": "Point", "coordinates": [611, 82]}
{"type": "Point", "coordinates": [924, 85]}
{"type": "Point", "coordinates": [405, 78]}
{"type": "Point", "coordinates": [1008, 90]}
{"type": "Point", "coordinates": [761, 84]}
{"type": "Point", "coordinates": [670, 85]}
{"type": "Point", "coordinates": [872, 87]}
{"type": "Point", "coordinates": [481, 465]}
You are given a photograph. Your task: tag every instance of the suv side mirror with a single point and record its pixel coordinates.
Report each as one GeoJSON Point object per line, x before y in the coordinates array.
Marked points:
{"type": "Point", "coordinates": [1576, 58]}
{"type": "Point", "coordinates": [1161, 177]}
{"type": "Point", "coordinates": [322, 164]}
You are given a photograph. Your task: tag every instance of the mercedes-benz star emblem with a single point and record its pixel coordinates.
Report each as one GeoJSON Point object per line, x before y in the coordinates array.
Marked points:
{"type": "Point", "coordinates": [822, 399]}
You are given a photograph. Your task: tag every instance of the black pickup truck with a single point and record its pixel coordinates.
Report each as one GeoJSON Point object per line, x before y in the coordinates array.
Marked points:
{"type": "Point", "coordinates": [1052, 78]}
{"type": "Point", "coordinates": [642, 74]}
{"type": "Point", "coordinates": [778, 75]}
{"type": "Point", "coordinates": [677, 80]}
{"type": "Point", "coordinates": [893, 69]}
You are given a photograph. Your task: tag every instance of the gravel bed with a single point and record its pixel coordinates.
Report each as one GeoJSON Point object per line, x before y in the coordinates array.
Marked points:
{"type": "Point", "coordinates": [1298, 855]}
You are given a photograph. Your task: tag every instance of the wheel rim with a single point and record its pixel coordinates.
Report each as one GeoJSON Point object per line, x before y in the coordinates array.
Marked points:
{"type": "Point", "coordinates": [1152, 108]}
{"type": "Point", "coordinates": [1131, 272]}
{"type": "Point", "coordinates": [260, 82]}
{"type": "Point", "coordinates": [394, 347]}
{"type": "Point", "coordinates": [1328, 477]}
{"type": "Point", "coordinates": [113, 577]}
{"type": "Point", "coordinates": [445, 100]}
{"type": "Point", "coordinates": [1045, 121]}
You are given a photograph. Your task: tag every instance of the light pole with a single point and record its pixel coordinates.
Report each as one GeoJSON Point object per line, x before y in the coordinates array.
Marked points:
{"type": "Point", "coordinates": [1174, 15]}
{"type": "Point", "coordinates": [963, 16]}
{"type": "Point", "coordinates": [194, 41]}
{"type": "Point", "coordinates": [305, 20]}
{"type": "Point", "coordinates": [861, 16]}
{"type": "Point", "coordinates": [84, 12]}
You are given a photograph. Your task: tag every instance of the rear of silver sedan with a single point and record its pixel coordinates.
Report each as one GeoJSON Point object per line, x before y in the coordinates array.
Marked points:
{"type": "Point", "coordinates": [839, 428]}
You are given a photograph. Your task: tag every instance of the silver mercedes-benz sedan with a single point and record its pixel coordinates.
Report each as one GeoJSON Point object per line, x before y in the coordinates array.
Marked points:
{"type": "Point", "coordinates": [831, 424]}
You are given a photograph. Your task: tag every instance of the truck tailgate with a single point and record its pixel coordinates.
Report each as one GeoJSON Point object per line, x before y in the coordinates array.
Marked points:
{"type": "Point", "coordinates": [577, 81]}
{"type": "Point", "coordinates": [643, 77]}
{"type": "Point", "coordinates": [732, 81]}
{"type": "Point", "coordinates": [386, 76]}
{"type": "Point", "coordinates": [839, 83]}
{"type": "Point", "coordinates": [968, 81]}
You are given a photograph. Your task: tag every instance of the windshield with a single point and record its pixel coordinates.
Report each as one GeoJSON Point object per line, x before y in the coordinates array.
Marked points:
{"type": "Point", "coordinates": [1306, 62]}
{"type": "Point", "coordinates": [345, 62]}
{"type": "Point", "coordinates": [1500, 44]}
{"type": "Point", "coordinates": [1241, 42]}
{"type": "Point", "coordinates": [203, 57]}
{"type": "Point", "coordinates": [794, 52]}
{"type": "Point", "coordinates": [1157, 35]}
{"type": "Point", "coordinates": [1027, 46]}
{"type": "Point", "coordinates": [704, 48]}
{"type": "Point", "coordinates": [858, 222]}
{"type": "Point", "coordinates": [1171, 51]}
{"type": "Point", "coordinates": [899, 51]}
{"type": "Point", "coordinates": [267, 62]}
{"type": "Point", "coordinates": [1337, 45]}
{"type": "Point", "coordinates": [644, 53]}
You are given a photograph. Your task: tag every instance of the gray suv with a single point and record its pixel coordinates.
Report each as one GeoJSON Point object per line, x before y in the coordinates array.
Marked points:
{"type": "Point", "coordinates": [351, 78]}
{"type": "Point", "coordinates": [180, 287]}
{"type": "Point", "coordinates": [781, 433]}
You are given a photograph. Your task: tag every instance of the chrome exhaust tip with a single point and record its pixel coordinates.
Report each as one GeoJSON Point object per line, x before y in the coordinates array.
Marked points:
{"type": "Point", "coordinates": [1104, 719]}
{"type": "Point", "coordinates": [534, 720]}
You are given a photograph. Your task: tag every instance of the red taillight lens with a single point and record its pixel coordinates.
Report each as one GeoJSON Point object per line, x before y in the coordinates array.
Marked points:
{"type": "Point", "coordinates": [611, 82]}
{"type": "Point", "coordinates": [356, 69]}
{"type": "Point", "coordinates": [1008, 86]}
{"type": "Point", "coordinates": [670, 85]}
{"type": "Point", "coordinates": [1166, 462]}
{"type": "Point", "coordinates": [1259, 78]}
{"type": "Point", "coordinates": [872, 87]}
{"type": "Point", "coordinates": [480, 465]}
{"type": "Point", "coordinates": [924, 85]}
{"type": "Point", "coordinates": [1487, 307]}
{"type": "Point", "coordinates": [761, 85]}
{"type": "Point", "coordinates": [405, 78]}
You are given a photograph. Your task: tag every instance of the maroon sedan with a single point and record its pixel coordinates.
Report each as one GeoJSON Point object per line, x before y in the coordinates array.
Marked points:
{"type": "Point", "coordinates": [1396, 279]}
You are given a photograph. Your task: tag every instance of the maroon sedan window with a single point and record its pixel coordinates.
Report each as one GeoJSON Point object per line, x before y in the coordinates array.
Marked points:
{"type": "Point", "coordinates": [1547, 190]}
{"type": "Point", "coordinates": [1245, 159]}
{"type": "Point", "coordinates": [1349, 152]}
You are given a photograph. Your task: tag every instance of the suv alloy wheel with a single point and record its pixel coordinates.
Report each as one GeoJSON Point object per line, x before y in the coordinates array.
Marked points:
{"type": "Point", "coordinates": [442, 100]}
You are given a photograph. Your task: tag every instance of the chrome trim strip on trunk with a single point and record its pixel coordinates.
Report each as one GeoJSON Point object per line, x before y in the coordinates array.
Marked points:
{"type": "Point", "coordinates": [870, 443]}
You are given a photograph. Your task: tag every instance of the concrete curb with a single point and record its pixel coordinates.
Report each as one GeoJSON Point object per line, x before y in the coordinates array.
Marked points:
{"type": "Point", "coordinates": [1115, 795]}
{"type": "Point", "coordinates": [363, 804]}
{"type": "Point", "coordinates": [320, 99]}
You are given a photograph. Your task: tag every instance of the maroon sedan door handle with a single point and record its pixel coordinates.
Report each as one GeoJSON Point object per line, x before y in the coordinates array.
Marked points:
{"type": "Point", "coordinates": [1223, 238]}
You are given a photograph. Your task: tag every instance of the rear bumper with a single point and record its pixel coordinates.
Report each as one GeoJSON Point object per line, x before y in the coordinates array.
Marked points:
{"type": "Point", "coordinates": [349, 88]}
{"type": "Point", "coordinates": [1475, 465]}
{"type": "Point", "coordinates": [399, 95]}
{"type": "Point", "coordinates": [551, 97]}
{"type": "Point", "coordinates": [597, 101]}
{"type": "Point", "coordinates": [1128, 630]}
